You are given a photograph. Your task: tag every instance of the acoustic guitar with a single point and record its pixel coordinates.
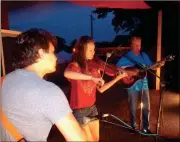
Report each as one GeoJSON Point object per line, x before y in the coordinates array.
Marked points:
{"type": "Point", "coordinates": [136, 73]}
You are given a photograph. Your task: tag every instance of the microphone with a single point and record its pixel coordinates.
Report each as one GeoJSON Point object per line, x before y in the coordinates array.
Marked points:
{"type": "Point", "coordinates": [108, 55]}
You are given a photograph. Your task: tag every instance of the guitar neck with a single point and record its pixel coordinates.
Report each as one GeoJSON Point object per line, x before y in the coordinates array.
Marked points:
{"type": "Point", "coordinates": [155, 64]}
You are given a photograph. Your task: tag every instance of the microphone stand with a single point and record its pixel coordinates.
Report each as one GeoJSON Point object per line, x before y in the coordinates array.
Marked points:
{"type": "Point", "coordinates": [160, 114]}
{"type": "Point", "coordinates": [108, 55]}
{"type": "Point", "coordinates": [162, 87]}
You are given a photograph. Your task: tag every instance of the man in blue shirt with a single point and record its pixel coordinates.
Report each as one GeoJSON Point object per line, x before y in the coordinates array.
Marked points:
{"type": "Point", "coordinates": [132, 58]}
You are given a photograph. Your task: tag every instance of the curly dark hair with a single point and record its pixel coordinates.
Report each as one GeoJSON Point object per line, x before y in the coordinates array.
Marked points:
{"type": "Point", "coordinates": [80, 49]}
{"type": "Point", "coordinates": [27, 45]}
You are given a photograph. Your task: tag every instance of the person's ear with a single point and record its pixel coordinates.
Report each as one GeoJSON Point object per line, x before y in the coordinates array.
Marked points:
{"type": "Point", "coordinates": [41, 53]}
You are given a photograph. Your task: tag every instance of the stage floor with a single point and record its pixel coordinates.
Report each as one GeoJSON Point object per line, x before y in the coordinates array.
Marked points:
{"type": "Point", "coordinates": [114, 101]}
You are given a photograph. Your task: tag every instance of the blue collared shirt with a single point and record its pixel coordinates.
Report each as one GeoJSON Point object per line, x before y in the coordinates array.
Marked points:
{"type": "Point", "coordinates": [143, 59]}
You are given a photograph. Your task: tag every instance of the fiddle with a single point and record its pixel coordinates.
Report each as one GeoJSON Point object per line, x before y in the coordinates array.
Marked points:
{"type": "Point", "coordinates": [107, 68]}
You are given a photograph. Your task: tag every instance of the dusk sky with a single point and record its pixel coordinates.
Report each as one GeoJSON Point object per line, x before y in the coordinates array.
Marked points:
{"type": "Point", "coordinates": [67, 20]}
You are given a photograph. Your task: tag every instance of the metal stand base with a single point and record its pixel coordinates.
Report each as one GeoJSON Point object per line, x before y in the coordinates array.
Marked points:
{"type": "Point", "coordinates": [127, 126]}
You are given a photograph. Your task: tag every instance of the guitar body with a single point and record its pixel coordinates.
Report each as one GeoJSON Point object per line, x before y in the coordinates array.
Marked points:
{"type": "Point", "coordinates": [134, 74]}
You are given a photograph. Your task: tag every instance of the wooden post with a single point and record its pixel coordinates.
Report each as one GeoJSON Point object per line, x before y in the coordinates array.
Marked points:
{"type": "Point", "coordinates": [4, 25]}
{"type": "Point", "coordinates": [159, 38]}
{"type": "Point", "coordinates": [2, 57]}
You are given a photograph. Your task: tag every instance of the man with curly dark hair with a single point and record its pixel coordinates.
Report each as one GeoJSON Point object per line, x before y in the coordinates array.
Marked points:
{"type": "Point", "coordinates": [32, 104]}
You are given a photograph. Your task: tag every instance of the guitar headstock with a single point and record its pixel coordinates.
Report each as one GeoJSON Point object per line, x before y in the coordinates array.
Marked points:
{"type": "Point", "coordinates": [170, 58]}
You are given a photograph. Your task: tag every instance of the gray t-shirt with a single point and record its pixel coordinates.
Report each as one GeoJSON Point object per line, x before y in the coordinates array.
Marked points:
{"type": "Point", "coordinates": [32, 104]}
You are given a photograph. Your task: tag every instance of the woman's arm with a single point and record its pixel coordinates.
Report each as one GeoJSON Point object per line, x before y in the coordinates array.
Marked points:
{"type": "Point", "coordinates": [76, 75]}
{"type": "Point", "coordinates": [80, 76]}
{"type": "Point", "coordinates": [106, 86]}
{"type": "Point", "coordinates": [72, 72]}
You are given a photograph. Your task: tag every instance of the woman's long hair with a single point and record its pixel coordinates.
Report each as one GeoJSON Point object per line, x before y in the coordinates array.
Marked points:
{"type": "Point", "coordinates": [80, 51]}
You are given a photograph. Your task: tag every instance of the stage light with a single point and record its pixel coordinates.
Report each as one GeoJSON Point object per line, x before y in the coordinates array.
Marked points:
{"type": "Point", "coordinates": [74, 49]}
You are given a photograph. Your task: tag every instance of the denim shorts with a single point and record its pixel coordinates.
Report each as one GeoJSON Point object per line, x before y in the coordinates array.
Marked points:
{"type": "Point", "coordinates": [85, 115]}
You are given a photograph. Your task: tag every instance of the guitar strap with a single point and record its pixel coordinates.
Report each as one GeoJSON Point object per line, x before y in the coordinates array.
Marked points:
{"type": "Point", "coordinates": [9, 126]}
{"type": "Point", "coordinates": [142, 55]}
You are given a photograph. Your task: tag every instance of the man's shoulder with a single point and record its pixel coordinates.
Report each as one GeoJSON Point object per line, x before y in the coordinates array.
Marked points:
{"type": "Point", "coordinates": [48, 89]}
{"type": "Point", "coordinates": [28, 82]}
{"type": "Point", "coordinates": [11, 74]}
{"type": "Point", "coordinates": [51, 86]}
{"type": "Point", "coordinates": [8, 78]}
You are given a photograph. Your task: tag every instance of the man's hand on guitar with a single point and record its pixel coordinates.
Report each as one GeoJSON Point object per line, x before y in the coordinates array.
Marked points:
{"type": "Point", "coordinates": [161, 63]}
{"type": "Point", "coordinates": [158, 65]}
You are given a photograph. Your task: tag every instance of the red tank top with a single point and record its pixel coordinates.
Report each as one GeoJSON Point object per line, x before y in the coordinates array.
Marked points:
{"type": "Point", "coordinates": [83, 92]}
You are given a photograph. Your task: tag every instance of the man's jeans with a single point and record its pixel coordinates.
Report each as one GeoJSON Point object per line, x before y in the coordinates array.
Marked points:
{"type": "Point", "coordinates": [132, 99]}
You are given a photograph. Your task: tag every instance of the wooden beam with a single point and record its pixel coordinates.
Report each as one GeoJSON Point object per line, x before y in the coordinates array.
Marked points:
{"type": "Point", "coordinates": [9, 33]}
{"type": "Point", "coordinates": [159, 39]}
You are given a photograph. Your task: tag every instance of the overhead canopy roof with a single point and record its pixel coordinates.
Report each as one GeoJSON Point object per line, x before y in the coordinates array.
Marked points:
{"type": "Point", "coordinates": [126, 4]}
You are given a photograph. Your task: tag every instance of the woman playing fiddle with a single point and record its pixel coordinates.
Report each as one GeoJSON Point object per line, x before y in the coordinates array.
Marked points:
{"type": "Point", "coordinates": [84, 79]}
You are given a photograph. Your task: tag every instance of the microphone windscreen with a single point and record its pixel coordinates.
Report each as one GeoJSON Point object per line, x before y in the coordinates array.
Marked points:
{"type": "Point", "coordinates": [108, 54]}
